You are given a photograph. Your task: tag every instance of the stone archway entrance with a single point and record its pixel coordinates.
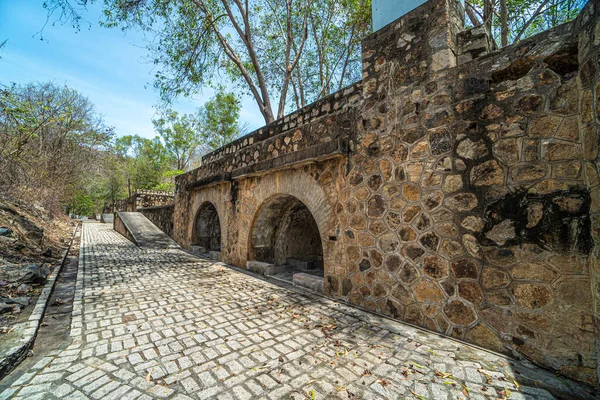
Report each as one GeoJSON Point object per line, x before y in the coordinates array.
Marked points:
{"type": "Point", "coordinates": [286, 236]}
{"type": "Point", "coordinates": [207, 229]}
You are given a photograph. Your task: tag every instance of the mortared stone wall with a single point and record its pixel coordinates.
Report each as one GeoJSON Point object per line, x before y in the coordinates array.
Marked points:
{"type": "Point", "coordinates": [455, 187]}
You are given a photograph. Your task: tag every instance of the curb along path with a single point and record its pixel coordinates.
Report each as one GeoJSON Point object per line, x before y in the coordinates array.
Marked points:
{"type": "Point", "coordinates": [163, 324]}
{"type": "Point", "coordinates": [30, 331]}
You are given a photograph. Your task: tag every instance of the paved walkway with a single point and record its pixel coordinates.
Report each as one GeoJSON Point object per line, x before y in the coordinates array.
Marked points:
{"type": "Point", "coordinates": [163, 324]}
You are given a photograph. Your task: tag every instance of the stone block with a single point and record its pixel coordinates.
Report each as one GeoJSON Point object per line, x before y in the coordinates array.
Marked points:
{"type": "Point", "coordinates": [214, 255]}
{"type": "Point", "coordinates": [261, 268]}
{"type": "Point", "coordinates": [310, 282]}
{"type": "Point", "coordinates": [198, 250]}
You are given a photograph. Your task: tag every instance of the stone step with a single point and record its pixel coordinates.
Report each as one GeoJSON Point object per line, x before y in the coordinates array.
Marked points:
{"type": "Point", "coordinates": [261, 268]}
{"type": "Point", "coordinates": [198, 250]}
{"type": "Point", "coordinates": [214, 255]}
{"type": "Point", "coordinates": [310, 282]}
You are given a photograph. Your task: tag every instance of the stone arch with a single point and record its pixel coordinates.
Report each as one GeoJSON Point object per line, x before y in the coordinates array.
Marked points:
{"type": "Point", "coordinates": [218, 196]}
{"type": "Point", "coordinates": [306, 190]}
{"type": "Point", "coordinates": [285, 232]}
{"type": "Point", "coordinates": [207, 227]}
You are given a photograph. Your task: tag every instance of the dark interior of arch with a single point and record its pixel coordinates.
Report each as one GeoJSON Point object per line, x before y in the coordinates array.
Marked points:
{"type": "Point", "coordinates": [207, 229]}
{"type": "Point", "coordinates": [285, 232]}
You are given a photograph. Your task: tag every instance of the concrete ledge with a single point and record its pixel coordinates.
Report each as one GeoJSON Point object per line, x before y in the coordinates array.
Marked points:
{"type": "Point", "coordinates": [261, 268]}
{"type": "Point", "coordinates": [210, 180]}
{"type": "Point", "coordinates": [310, 282]}
{"type": "Point", "coordinates": [28, 330]}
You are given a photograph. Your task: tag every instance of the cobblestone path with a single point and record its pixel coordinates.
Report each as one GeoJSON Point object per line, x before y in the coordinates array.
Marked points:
{"type": "Point", "coordinates": [163, 324]}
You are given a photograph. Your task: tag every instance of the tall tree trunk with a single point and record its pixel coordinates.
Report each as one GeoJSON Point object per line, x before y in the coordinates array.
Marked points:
{"type": "Point", "coordinates": [488, 13]}
{"type": "Point", "coordinates": [504, 22]}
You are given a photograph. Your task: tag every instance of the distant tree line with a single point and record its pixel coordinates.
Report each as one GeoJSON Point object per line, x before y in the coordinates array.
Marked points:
{"type": "Point", "coordinates": [52, 143]}
{"type": "Point", "coordinates": [57, 150]}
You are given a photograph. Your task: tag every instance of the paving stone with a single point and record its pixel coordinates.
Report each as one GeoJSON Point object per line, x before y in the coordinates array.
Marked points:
{"type": "Point", "coordinates": [203, 330]}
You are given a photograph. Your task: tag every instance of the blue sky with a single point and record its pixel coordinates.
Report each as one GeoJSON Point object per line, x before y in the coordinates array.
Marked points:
{"type": "Point", "coordinates": [106, 65]}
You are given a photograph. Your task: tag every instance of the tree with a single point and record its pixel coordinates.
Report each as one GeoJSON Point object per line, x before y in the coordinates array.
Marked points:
{"type": "Point", "coordinates": [142, 159]}
{"type": "Point", "coordinates": [179, 138]}
{"type": "Point", "coordinates": [332, 55]}
{"type": "Point", "coordinates": [509, 21]}
{"type": "Point", "coordinates": [52, 140]}
{"type": "Point", "coordinates": [218, 121]}
{"type": "Point", "coordinates": [258, 45]}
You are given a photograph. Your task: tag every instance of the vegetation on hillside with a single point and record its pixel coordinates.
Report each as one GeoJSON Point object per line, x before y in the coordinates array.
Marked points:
{"type": "Point", "coordinates": [58, 151]}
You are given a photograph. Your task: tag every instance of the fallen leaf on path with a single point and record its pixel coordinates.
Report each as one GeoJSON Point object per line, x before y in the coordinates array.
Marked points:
{"type": "Point", "coordinates": [383, 382]}
{"type": "Point", "coordinates": [418, 396]}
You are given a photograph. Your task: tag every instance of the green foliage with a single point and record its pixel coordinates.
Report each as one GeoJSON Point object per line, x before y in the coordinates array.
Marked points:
{"type": "Point", "coordinates": [52, 142]}
{"type": "Point", "coordinates": [218, 120]}
{"type": "Point", "coordinates": [142, 161]}
{"type": "Point", "coordinates": [524, 18]}
{"type": "Point", "coordinates": [82, 205]}
{"type": "Point", "coordinates": [179, 137]}
{"type": "Point", "coordinates": [293, 51]}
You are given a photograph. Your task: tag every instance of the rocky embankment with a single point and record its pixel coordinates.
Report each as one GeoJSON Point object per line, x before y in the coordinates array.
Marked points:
{"type": "Point", "coordinates": [32, 241]}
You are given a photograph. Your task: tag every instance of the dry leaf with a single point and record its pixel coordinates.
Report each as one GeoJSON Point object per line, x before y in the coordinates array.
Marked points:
{"type": "Point", "coordinates": [383, 382]}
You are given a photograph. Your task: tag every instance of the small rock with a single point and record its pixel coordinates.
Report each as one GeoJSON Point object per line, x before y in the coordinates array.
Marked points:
{"type": "Point", "coordinates": [7, 239]}
{"type": "Point", "coordinates": [22, 301]}
{"type": "Point", "coordinates": [24, 288]}
{"type": "Point", "coordinates": [31, 273]}
{"type": "Point", "coordinates": [5, 232]}
{"type": "Point", "coordinates": [4, 308]}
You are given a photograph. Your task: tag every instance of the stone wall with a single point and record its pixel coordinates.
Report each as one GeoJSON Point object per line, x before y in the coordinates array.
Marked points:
{"type": "Point", "coordinates": [589, 113]}
{"type": "Point", "coordinates": [145, 199]}
{"type": "Point", "coordinates": [119, 226]}
{"type": "Point", "coordinates": [161, 216]}
{"type": "Point", "coordinates": [455, 187]}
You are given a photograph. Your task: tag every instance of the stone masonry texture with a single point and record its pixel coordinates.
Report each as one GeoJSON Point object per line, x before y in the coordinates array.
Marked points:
{"type": "Point", "coordinates": [163, 324]}
{"type": "Point", "coordinates": [456, 187]}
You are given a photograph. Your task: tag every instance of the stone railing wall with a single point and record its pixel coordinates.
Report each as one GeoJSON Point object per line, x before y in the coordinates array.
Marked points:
{"type": "Point", "coordinates": [144, 199]}
{"type": "Point", "coordinates": [161, 216]}
{"type": "Point", "coordinates": [464, 194]}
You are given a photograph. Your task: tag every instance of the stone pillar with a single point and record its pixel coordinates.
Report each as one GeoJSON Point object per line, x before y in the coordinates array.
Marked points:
{"type": "Point", "coordinates": [420, 42]}
{"type": "Point", "coordinates": [589, 114]}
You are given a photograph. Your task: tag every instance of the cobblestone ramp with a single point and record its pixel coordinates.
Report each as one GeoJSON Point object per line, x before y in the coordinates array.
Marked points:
{"type": "Point", "coordinates": [145, 233]}
{"type": "Point", "coordinates": [162, 324]}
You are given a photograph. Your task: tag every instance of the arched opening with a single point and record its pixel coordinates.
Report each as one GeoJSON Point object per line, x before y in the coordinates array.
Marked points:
{"type": "Point", "coordinates": [286, 235]}
{"type": "Point", "coordinates": [207, 228]}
